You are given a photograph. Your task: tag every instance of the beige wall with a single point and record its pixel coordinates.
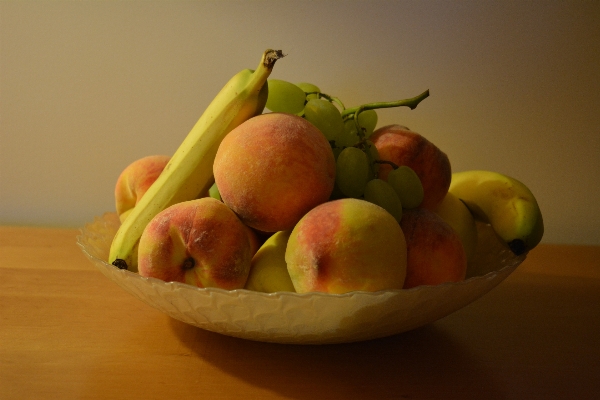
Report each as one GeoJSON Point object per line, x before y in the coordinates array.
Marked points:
{"type": "Point", "coordinates": [88, 87]}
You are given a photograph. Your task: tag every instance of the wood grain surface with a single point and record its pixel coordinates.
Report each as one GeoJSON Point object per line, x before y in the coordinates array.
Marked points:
{"type": "Point", "coordinates": [67, 332]}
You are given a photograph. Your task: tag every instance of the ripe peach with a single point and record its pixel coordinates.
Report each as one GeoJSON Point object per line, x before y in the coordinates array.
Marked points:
{"type": "Point", "coordinates": [255, 240]}
{"type": "Point", "coordinates": [135, 180]}
{"type": "Point", "coordinates": [274, 168]}
{"type": "Point", "coordinates": [200, 242]}
{"type": "Point", "coordinates": [401, 146]}
{"type": "Point", "coordinates": [435, 252]}
{"type": "Point", "coordinates": [346, 245]}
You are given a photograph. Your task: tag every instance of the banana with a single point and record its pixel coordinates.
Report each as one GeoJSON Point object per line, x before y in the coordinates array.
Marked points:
{"type": "Point", "coordinates": [505, 203]}
{"type": "Point", "coordinates": [189, 172]}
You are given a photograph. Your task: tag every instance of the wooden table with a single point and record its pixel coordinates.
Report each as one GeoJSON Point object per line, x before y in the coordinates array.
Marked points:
{"type": "Point", "coordinates": [67, 332]}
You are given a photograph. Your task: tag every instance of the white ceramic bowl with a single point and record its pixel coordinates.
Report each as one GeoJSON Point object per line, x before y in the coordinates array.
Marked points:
{"type": "Point", "coordinates": [312, 318]}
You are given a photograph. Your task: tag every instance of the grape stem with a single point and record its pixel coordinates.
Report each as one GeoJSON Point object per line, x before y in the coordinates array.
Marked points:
{"type": "Point", "coordinates": [329, 98]}
{"type": "Point", "coordinates": [411, 103]}
{"type": "Point", "coordinates": [353, 113]}
{"type": "Point", "coordinates": [387, 162]}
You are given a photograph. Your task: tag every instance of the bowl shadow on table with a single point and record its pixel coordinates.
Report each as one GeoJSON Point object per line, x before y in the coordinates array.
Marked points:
{"type": "Point", "coordinates": [423, 363]}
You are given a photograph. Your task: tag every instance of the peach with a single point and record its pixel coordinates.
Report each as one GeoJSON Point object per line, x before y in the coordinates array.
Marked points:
{"type": "Point", "coordinates": [435, 252]}
{"type": "Point", "coordinates": [268, 271]}
{"type": "Point", "coordinates": [273, 169]}
{"type": "Point", "coordinates": [135, 180]}
{"type": "Point", "coordinates": [401, 146]}
{"type": "Point", "coordinates": [346, 245]}
{"type": "Point", "coordinates": [256, 241]}
{"type": "Point", "coordinates": [199, 242]}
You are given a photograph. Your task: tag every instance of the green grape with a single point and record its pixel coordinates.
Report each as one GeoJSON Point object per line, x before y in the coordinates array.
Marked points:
{"type": "Point", "coordinates": [349, 137]}
{"type": "Point", "coordinates": [214, 192]}
{"type": "Point", "coordinates": [309, 88]}
{"type": "Point", "coordinates": [325, 116]}
{"type": "Point", "coordinates": [381, 193]}
{"type": "Point", "coordinates": [368, 120]}
{"type": "Point", "coordinates": [407, 184]}
{"type": "Point", "coordinates": [285, 97]}
{"type": "Point", "coordinates": [352, 172]}
{"type": "Point", "coordinates": [373, 155]}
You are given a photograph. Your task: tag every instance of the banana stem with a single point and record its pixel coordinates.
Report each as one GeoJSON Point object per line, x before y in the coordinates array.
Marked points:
{"type": "Point", "coordinates": [410, 103]}
{"type": "Point", "coordinates": [267, 62]}
{"type": "Point", "coordinates": [270, 57]}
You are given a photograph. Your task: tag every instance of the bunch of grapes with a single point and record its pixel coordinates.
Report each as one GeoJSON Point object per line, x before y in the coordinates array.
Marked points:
{"type": "Point", "coordinates": [348, 131]}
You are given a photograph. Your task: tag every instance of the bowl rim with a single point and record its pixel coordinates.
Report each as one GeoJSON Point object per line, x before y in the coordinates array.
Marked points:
{"type": "Point", "coordinates": [517, 260]}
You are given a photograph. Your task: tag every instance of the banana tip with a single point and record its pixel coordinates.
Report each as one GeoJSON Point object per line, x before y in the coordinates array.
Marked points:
{"type": "Point", "coordinates": [517, 246]}
{"type": "Point", "coordinates": [121, 264]}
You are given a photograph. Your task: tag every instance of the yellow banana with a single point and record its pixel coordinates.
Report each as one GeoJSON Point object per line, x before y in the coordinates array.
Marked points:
{"type": "Point", "coordinates": [189, 172]}
{"type": "Point", "coordinates": [503, 202]}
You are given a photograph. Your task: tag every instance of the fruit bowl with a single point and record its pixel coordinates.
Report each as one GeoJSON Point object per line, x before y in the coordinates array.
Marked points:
{"type": "Point", "coordinates": [311, 318]}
